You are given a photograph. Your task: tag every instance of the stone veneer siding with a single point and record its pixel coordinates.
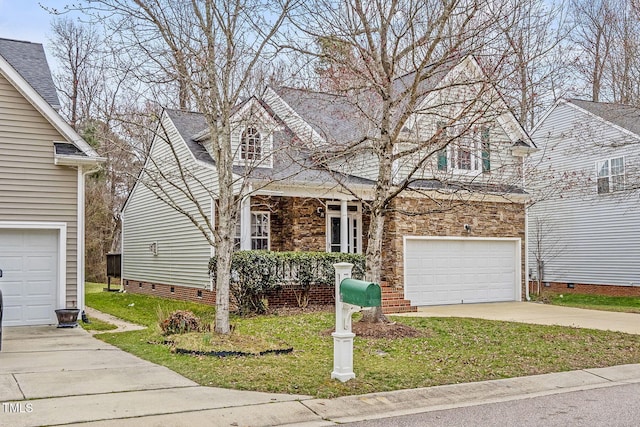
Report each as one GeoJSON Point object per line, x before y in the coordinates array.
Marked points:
{"type": "Point", "coordinates": [296, 225]}
{"type": "Point", "coordinates": [486, 218]}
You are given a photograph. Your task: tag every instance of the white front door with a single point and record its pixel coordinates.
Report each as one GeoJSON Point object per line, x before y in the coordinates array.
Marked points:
{"type": "Point", "coordinates": [29, 282]}
{"type": "Point", "coordinates": [354, 226]}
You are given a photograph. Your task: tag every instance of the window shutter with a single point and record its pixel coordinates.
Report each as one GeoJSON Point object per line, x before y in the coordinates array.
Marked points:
{"type": "Point", "coordinates": [442, 154]}
{"type": "Point", "coordinates": [442, 160]}
{"type": "Point", "coordinates": [486, 152]}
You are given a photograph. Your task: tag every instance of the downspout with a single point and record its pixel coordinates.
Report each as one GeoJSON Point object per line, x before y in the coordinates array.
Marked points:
{"type": "Point", "coordinates": [80, 236]}
{"type": "Point", "coordinates": [526, 239]}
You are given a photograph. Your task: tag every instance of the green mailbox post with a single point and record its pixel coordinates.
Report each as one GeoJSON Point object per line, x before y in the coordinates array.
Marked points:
{"type": "Point", "coordinates": [351, 296]}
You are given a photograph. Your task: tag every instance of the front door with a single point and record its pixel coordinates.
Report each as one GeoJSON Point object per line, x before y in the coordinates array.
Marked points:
{"type": "Point", "coordinates": [354, 221]}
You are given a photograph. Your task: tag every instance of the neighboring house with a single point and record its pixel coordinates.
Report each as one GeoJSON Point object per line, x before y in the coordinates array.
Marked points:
{"type": "Point", "coordinates": [584, 226]}
{"type": "Point", "coordinates": [42, 170]}
{"type": "Point", "coordinates": [470, 252]}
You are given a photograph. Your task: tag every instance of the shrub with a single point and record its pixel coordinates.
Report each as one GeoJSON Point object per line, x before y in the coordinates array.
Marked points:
{"type": "Point", "coordinates": [180, 322]}
{"type": "Point", "coordinates": [254, 273]}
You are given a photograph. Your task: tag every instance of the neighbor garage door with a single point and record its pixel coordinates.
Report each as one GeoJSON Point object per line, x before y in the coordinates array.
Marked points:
{"type": "Point", "coordinates": [29, 264]}
{"type": "Point", "coordinates": [461, 271]}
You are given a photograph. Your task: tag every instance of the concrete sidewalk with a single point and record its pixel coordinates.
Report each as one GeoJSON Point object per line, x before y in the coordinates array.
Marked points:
{"type": "Point", "coordinates": [51, 376]}
{"type": "Point", "coordinates": [541, 314]}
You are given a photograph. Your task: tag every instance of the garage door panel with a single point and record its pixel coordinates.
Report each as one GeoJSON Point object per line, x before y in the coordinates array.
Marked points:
{"type": "Point", "coordinates": [454, 271]}
{"type": "Point", "coordinates": [29, 260]}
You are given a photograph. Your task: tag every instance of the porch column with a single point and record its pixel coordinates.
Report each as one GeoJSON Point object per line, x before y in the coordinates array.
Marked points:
{"type": "Point", "coordinates": [245, 224]}
{"type": "Point", "coordinates": [344, 227]}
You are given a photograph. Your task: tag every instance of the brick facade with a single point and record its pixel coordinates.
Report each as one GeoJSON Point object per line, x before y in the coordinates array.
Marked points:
{"type": "Point", "coordinates": [581, 288]}
{"type": "Point", "coordinates": [287, 296]}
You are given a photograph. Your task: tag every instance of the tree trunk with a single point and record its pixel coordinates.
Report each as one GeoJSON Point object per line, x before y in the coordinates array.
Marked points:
{"type": "Point", "coordinates": [227, 213]}
{"type": "Point", "coordinates": [373, 255]}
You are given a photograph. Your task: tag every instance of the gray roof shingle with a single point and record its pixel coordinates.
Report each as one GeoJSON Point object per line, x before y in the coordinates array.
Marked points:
{"type": "Point", "coordinates": [291, 164]}
{"type": "Point", "coordinates": [625, 116]}
{"type": "Point", "coordinates": [30, 61]}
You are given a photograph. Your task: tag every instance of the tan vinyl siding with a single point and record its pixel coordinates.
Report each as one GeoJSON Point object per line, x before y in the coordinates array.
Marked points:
{"type": "Point", "coordinates": [32, 188]}
{"type": "Point", "coordinates": [183, 252]}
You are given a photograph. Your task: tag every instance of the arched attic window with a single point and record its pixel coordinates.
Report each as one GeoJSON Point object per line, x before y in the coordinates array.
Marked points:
{"type": "Point", "coordinates": [251, 144]}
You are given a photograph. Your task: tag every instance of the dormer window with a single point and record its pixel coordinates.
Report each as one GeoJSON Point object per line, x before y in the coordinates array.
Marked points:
{"type": "Point", "coordinates": [251, 145]}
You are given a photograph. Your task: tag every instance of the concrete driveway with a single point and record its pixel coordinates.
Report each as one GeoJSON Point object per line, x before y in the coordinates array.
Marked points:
{"type": "Point", "coordinates": [51, 376]}
{"type": "Point", "coordinates": [536, 313]}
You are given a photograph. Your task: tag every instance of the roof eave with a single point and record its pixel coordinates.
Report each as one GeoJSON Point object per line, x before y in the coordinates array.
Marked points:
{"type": "Point", "coordinates": [44, 107]}
{"type": "Point", "coordinates": [68, 160]}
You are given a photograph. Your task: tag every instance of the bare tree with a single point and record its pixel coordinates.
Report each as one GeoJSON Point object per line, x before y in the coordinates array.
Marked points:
{"type": "Point", "coordinates": [543, 245]}
{"type": "Point", "coordinates": [211, 49]}
{"type": "Point", "coordinates": [530, 38]}
{"type": "Point", "coordinates": [395, 55]}
{"type": "Point", "coordinates": [77, 49]}
{"type": "Point", "coordinates": [594, 35]}
{"type": "Point", "coordinates": [94, 97]}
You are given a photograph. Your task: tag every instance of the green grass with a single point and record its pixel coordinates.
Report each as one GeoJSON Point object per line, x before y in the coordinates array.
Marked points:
{"type": "Point", "coordinates": [97, 325]}
{"type": "Point", "coordinates": [455, 350]}
{"type": "Point", "coordinates": [598, 302]}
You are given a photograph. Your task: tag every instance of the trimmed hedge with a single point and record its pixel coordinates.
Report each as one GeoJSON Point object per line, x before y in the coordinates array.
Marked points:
{"type": "Point", "coordinates": [254, 273]}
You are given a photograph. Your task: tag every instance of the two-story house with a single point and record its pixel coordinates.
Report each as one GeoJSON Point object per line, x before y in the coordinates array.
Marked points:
{"type": "Point", "coordinates": [455, 235]}
{"type": "Point", "coordinates": [585, 177]}
{"type": "Point", "coordinates": [42, 170]}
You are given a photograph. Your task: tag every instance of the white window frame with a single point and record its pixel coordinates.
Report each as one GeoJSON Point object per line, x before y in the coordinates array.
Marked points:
{"type": "Point", "coordinates": [252, 140]}
{"type": "Point", "coordinates": [266, 148]}
{"type": "Point", "coordinates": [613, 185]}
{"type": "Point", "coordinates": [254, 228]}
{"type": "Point", "coordinates": [254, 221]}
{"type": "Point", "coordinates": [470, 142]}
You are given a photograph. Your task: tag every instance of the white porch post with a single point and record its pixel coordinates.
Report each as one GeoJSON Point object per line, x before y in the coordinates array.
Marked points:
{"type": "Point", "coordinates": [245, 224]}
{"type": "Point", "coordinates": [344, 227]}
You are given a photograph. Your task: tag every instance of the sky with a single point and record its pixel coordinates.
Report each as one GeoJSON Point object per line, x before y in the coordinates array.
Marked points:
{"type": "Point", "coordinates": [27, 20]}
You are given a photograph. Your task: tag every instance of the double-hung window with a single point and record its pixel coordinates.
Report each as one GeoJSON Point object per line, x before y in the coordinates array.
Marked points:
{"type": "Point", "coordinates": [260, 236]}
{"type": "Point", "coordinates": [610, 175]}
{"type": "Point", "coordinates": [467, 153]}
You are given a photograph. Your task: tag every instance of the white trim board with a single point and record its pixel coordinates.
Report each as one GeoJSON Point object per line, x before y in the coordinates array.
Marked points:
{"type": "Point", "coordinates": [62, 250]}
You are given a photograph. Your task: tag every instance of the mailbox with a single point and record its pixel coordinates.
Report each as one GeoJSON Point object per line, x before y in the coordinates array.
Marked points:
{"type": "Point", "coordinates": [359, 292]}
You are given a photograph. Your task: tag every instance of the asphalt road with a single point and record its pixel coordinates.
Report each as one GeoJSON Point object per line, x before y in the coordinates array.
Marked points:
{"type": "Point", "coordinates": [614, 406]}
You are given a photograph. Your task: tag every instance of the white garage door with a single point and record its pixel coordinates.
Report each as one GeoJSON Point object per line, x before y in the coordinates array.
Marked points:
{"type": "Point", "coordinates": [29, 264]}
{"type": "Point", "coordinates": [460, 271]}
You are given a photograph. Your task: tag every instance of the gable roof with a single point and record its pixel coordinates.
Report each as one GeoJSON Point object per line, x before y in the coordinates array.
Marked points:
{"type": "Point", "coordinates": [333, 117]}
{"type": "Point", "coordinates": [625, 116]}
{"type": "Point", "coordinates": [338, 119]}
{"type": "Point", "coordinates": [30, 61]}
{"type": "Point", "coordinates": [293, 165]}
{"type": "Point", "coordinates": [24, 65]}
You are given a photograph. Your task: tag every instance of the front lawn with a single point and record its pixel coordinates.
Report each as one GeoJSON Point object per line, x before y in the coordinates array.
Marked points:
{"type": "Point", "coordinates": [453, 350]}
{"type": "Point", "coordinates": [597, 302]}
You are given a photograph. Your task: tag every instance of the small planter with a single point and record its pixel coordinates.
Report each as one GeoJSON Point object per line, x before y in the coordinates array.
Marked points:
{"type": "Point", "coordinates": [67, 317]}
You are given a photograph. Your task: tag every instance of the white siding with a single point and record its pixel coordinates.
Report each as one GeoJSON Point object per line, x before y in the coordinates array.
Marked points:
{"type": "Point", "coordinates": [504, 168]}
{"type": "Point", "coordinates": [588, 238]}
{"type": "Point", "coordinates": [363, 164]}
{"type": "Point", "coordinates": [183, 252]}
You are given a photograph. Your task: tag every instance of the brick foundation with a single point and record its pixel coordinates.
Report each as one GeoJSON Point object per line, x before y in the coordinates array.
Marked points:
{"type": "Point", "coordinates": [580, 288]}
{"type": "Point", "coordinates": [392, 299]}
